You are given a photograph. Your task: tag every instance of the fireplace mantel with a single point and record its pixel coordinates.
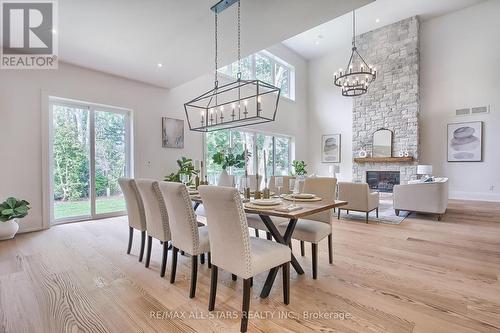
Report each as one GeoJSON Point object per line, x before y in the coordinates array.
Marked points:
{"type": "Point", "coordinates": [383, 159]}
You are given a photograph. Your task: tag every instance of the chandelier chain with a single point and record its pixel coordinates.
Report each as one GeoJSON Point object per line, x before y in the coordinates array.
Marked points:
{"type": "Point", "coordinates": [216, 49]}
{"type": "Point", "coordinates": [353, 29]}
{"type": "Point", "coordinates": [239, 39]}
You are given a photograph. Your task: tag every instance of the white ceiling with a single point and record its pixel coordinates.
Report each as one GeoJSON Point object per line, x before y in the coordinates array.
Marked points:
{"type": "Point", "coordinates": [129, 38]}
{"type": "Point", "coordinates": [329, 36]}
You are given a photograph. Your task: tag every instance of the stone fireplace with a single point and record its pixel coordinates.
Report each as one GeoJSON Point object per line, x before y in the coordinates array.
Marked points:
{"type": "Point", "coordinates": [382, 181]}
{"type": "Point", "coordinates": [392, 101]}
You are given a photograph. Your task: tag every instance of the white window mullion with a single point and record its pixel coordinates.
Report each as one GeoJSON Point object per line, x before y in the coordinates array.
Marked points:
{"type": "Point", "coordinates": [92, 163]}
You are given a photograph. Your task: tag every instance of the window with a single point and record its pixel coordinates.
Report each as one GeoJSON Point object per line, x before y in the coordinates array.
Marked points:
{"type": "Point", "coordinates": [278, 150]}
{"type": "Point", "coordinates": [268, 68]}
{"type": "Point", "coordinates": [90, 150]}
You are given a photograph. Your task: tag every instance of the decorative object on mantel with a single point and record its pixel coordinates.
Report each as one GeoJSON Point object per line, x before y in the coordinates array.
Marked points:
{"type": "Point", "coordinates": [382, 143]}
{"type": "Point", "coordinates": [465, 142]}
{"type": "Point", "coordinates": [11, 210]}
{"type": "Point", "coordinates": [236, 104]}
{"type": "Point", "coordinates": [384, 159]}
{"type": "Point", "coordinates": [355, 81]}
{"type": "Point", "coordinates": [172, 131]}
{"type": "Point", "coordinates": [330, 148]}
{"type": "Point", "coordinates": [362, 153]}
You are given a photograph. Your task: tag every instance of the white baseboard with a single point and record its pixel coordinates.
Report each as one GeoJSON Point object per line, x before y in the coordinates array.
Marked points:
{"type": "Point", "coordinates": [476, 196]}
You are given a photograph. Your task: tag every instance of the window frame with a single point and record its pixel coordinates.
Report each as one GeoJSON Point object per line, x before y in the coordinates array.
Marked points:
{"type": "Point", "coordinates": [274, 62]}
{"type": "Point", "coordinates": [254, 133]}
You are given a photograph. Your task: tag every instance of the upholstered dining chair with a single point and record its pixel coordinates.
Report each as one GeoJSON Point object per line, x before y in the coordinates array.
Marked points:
{"type": "Point", "coordinates": [359, 198]}
{"type": "Point", "coordinates": [226, 180]}
{"type": "Point", "coordinates": [187, 236]}
{"type": "Point", "coordinates": [135, 212]}
{"type": "Point", "coordinates": [156, 218]}
{"type": "Point", "coordinates": [317, 226]}
{"type": "Point", "coordinates": [234, 250]}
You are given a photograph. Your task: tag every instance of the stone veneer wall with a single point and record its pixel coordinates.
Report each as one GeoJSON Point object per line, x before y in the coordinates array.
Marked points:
{"type": "Point", "coordinates": [392, 100]}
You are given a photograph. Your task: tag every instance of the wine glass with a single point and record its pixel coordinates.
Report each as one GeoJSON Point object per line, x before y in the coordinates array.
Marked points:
{"type": "Point", "coordinates": [294, 185]}
{"type": "Point", "coordinates": [278, 182]}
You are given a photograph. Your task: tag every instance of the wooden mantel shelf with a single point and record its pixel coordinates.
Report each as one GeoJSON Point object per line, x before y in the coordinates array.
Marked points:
{"type": "Point", "coordinates": [383, 159]}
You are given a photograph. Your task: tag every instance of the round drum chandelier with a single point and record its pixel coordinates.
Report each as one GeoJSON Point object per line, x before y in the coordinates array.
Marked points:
{"type": "Point", "coordinates": [356, 79]}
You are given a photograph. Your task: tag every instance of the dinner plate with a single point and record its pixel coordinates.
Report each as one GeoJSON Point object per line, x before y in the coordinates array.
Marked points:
{"type": "Point", "coordinates": [303, 195]}
{"type": "Point", "coordinates": [266, 202]}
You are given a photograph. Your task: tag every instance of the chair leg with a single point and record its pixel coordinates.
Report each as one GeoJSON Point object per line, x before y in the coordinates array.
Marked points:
{"type": "Point", "coordinates": [213, 288]}
{"type": "Point", "coordinates": [130, 238]}
{"type": "Point", "coordinates": [164, 259]}
{"type": "Point", "coordinates": [377, 212]}
{"type": "Point", "coordinates": [347, 212]}
{"type": "Point", "coordinates": [209, 259]}
{"type": "Point", "coordinates": [143, 241]}
{"type": "Point", "coordinates": [257, 233]}
{"type": "Point", "coordinates": [174, 264]}
{"type": "Point", "coordinates": [338, 216]}
{"type": "Point", "coordinates": [397, 212]}
{"type": "Point", "coordinates": [148, 251]}
{"type": "Point", "coordinates": [246, 305]}
{"type": "Point", "coordinates": [234, 277]}
{"type": "Point", "coordinates": [286, 283]}
{"type": "Point", "coordinates": [251, 282]}
{"type": "Point", "coordinates": [367, 216]}
{"type": "Point", "coordinates": [314, 248]}
{"type": "Point", "coordinates": [194, 275]}
{"type": "Point", "coordinates": [268, 236]}
{"type": "Point", "coordinates": [302, 249]}
{"type": "Point", "coordinates": [202, 258]}
{"type": "Point", "coordinates": [330, 249]}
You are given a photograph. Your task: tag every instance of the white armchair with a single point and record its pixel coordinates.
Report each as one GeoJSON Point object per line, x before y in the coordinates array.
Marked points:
{"type": "Point", "coordinates": [359, 198]}
{"type": "Point", "coordinates": [422, 197]}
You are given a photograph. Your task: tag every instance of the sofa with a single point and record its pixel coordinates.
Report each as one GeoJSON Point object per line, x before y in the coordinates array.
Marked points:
{"type": "Point", "coordinates": [430, 197]}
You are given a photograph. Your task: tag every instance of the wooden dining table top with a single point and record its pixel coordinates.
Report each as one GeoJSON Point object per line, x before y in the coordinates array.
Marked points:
{"type": "Point", "coordinates": [308, 208]}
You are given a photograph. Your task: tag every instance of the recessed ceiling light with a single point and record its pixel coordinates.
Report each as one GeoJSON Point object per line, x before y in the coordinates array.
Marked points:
{"type": "Point", "coordinates": [377, 20]}
{"type": "Point", "coordinates": [160, 65]}
{"type": "Point", "coordinates": [54, 31]}
{"type": "Point", "coordinates": [316, 42]}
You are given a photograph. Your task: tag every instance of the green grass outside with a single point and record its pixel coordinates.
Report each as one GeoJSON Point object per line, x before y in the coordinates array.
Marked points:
{"type": "Point", "coordinates": [82, 208]}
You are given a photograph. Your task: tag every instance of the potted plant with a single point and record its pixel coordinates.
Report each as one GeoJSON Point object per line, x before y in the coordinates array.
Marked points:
{"type": "Point", "coordinates": [300, 168]}
{"type": "Point", "coordinates": [11, 210]}
{"type": "Point", "coordinates": [186, 168]}
{"type": "Point", "coordinates": [229, 160]}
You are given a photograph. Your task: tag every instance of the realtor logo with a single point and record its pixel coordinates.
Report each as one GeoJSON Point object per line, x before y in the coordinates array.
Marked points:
{"type": "Point", "coordinates": [28, 34]}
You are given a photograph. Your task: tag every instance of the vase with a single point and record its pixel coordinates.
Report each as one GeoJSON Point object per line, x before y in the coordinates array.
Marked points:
{"type": "Point", "coordinates": [8, 229]}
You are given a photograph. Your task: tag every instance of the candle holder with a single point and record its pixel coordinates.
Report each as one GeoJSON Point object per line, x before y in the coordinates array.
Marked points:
{"type": "Point", "coordinates": [266, 193]}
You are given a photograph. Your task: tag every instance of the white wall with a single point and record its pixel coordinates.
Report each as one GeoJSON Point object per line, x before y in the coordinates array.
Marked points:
{"type": "Point", "coordinates": [460, 67]}
{"type": "Point", "coordinates": [460, 61]}
{"type": "Point", "coordinates": [21, 116]}
{"type": "Point", "coordinates": [329, 111]}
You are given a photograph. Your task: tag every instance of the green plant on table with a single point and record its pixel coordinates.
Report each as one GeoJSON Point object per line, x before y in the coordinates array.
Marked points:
{"type": "Point", "coordinates": [229, 160]}
{"type": "Point", "coordinates": [299, 167]}
{"type": "Point", "coordinates": [186, 167]}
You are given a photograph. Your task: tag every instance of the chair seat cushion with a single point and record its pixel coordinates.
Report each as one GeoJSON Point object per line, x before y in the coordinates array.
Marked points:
{"type": "Point", "coordinates": [254, 221]}
{"type": "Point", "coordinates": [308, 230]}
{"type": "Point", "coordinates": [266, 255]}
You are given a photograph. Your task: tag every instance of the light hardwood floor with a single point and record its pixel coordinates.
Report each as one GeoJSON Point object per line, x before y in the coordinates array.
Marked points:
{"type": "Point", "coordinates": [420, 276]}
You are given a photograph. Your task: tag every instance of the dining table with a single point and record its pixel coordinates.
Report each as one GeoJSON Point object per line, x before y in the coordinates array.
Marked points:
{"type": "Point", "coordinates": [266, 214]}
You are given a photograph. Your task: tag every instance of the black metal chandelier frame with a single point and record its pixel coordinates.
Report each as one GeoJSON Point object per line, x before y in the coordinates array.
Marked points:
{"type": "Point", "coordinates": [355, 82]}
{"type": "Point", "coordinates": [243, 96]}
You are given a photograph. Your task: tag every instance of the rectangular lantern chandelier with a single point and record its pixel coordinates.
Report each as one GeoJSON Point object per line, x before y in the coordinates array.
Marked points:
{"type": "Point", "coordinates": [236, 104]}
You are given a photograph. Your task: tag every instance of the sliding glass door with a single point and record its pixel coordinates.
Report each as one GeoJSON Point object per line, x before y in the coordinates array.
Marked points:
{"type": "Point", "coordinates": [90, 150]}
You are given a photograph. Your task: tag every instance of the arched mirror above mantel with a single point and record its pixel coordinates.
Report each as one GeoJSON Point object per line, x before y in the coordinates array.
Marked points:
{"type": "Point", "coordinates": [382, 143]}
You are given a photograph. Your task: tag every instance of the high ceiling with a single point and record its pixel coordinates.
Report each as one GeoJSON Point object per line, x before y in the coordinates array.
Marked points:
{"type": "Point", "coordinates": [329, 36]}
{"type": "Point", "coordinates": [129, 38]}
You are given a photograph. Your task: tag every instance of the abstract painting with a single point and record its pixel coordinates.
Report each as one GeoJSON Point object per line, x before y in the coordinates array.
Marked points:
{"type": "Point", "coordinates": [172, 133]}
{"type": "Point", "coordinates": [330, 148]}
{"type": "Point", "coordinates": [465, 142]}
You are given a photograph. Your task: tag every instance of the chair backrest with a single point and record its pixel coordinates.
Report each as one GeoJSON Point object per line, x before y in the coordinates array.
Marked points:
{"type": "Point", "coordinates": [325, 188]}
{"type": "Point", "coordinates": [181, 217]}
{"type": "Point", "coordinates": [154, 208]}
{"type": "Point", "coordinates": [356, 194]}
{"type": "Point", "coordinates": [227, 228]}
{"type": "Point", "coordinates": [133, 202]}
{"type": "Point", "coordinates": [286, 184]}
{"type": "Point", "coordinates": [226, 180]}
